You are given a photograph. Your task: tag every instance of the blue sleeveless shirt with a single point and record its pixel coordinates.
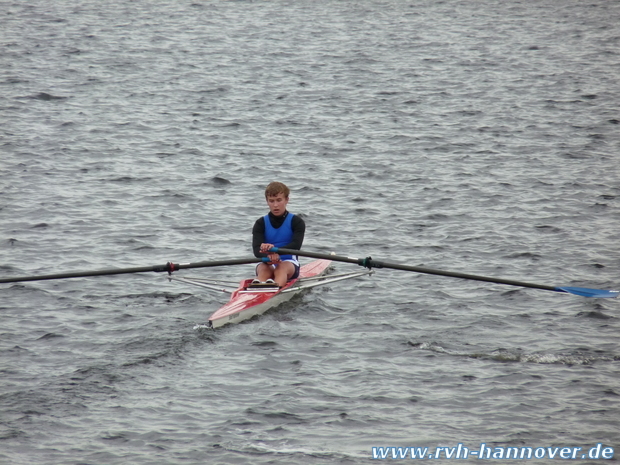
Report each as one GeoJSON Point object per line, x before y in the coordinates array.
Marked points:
{"type": "Point", "coordinates": [280, 236]}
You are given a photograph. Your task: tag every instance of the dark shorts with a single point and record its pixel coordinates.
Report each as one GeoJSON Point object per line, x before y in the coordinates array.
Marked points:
{"type": "Point", "coordinates": [296, 274]}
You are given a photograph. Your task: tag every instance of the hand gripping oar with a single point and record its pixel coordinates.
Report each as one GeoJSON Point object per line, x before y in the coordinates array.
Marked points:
{"type": "Point", "coordinates": [370, 263]}
{"type": "Point", "coordinates": [168, 267]}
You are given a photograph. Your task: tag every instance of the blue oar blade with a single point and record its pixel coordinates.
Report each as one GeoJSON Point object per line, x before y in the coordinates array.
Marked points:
{"type": "Point", "coordinates": [586, 292]}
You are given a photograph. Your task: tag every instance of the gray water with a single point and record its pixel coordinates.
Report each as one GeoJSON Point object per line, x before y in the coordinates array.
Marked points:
{"type": "Point", "coordinates": [480, 137]}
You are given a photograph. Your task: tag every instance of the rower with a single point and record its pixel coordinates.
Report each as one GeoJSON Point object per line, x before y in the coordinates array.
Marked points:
{"type": "Point", "coordinates": [279, 228]}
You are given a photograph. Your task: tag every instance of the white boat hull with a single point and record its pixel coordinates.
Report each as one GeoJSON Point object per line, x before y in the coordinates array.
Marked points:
{"type": "Point", "coordinates": [247, 303]}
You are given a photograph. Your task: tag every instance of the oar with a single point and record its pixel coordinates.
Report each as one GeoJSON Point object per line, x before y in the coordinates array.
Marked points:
{"type": "Point", "coordinates": [168, 267]}
{"type": "Point", "coordinates": [370, 263]}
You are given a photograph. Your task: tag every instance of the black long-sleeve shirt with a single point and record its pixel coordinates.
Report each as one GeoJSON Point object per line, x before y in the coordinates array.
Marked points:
{"type": "Point", "coordinates": [258, 232]}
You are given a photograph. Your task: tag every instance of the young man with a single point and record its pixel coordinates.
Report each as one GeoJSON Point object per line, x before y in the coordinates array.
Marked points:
{"type": "Point", "coordinates": [278, 228]}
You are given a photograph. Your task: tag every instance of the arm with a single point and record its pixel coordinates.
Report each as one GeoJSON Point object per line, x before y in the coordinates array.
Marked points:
{"type": "Point", "coordinates": [299, 230]}
{"type": "Point", "coordinates": [258, 237]}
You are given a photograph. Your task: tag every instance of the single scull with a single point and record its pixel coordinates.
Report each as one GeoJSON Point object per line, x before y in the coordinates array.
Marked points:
{"type": "Point", "coordinates": [247, 301]}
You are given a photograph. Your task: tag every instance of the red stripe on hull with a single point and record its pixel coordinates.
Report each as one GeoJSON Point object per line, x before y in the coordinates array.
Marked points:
{"type": "Point", "coordinates": [244, 305]}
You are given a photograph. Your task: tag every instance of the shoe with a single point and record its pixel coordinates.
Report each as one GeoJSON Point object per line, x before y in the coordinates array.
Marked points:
{"type": "Point", "coordinates": [256, 281]}
{"type": "Point", "coordinates": [270, 281]}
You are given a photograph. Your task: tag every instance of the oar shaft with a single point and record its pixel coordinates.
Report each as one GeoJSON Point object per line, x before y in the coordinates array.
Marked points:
{"type": "Point", "coordinates": [82, 274]}
{"type": "Point", "coordinates": [213, 263]}
{"type": "Point", "coordinates": [369, 263]}
{"type": "Point", "coordinates": [168, 267]}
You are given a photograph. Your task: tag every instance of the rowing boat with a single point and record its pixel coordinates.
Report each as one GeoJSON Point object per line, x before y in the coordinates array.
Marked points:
{"type": "Point", "coordinates": [248, 300]}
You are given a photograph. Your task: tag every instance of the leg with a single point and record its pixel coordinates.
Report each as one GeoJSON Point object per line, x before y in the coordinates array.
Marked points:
{"type": "Point", "coordinates": [283, 272]}
{"type": "Point", "coordinates": [264, 272]}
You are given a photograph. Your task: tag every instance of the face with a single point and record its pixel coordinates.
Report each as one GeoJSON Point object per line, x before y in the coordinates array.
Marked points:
{"type": "Point", "coordinates": [277, 204]}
